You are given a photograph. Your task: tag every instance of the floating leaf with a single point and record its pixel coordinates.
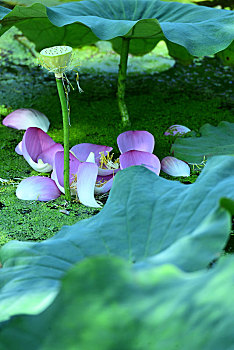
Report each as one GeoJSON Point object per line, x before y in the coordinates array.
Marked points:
{"type": "Point", "coordinates": [145, 216]}
{"type": "Point", "coordinates": [213, 141]}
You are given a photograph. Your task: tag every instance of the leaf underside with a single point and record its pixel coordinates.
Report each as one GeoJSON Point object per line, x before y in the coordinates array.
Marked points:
{"type": "Point", "coordinates": [200, 30]}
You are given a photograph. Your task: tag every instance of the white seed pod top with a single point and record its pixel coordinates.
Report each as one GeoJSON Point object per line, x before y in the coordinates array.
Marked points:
{"type": "Point", "coordinates": [56, 59]}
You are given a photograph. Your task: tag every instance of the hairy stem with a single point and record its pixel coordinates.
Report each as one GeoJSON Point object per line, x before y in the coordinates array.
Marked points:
{"type": "Point", "coordinates": [122, 82]}
{"type": "Point", "coordinates": [63, 102]}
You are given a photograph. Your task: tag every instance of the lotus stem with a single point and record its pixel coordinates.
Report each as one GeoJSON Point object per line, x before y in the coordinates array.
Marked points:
{"type": "Point", "coordinates": [122, 82]}
{"type": "Point", "coordinates": [63, 102]}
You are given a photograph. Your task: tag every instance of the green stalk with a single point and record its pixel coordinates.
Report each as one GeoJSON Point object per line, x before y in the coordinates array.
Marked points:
{"type": "Point", "coordinates": [122, 81]}
{"type": "Point", "coordinates": [63, 102]}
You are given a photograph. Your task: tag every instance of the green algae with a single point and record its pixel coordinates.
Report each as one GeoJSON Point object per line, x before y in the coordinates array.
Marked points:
{"type": "Point", "coordinates": [34, 220]}
{"type": "Point", "coordinates": [191, 96]}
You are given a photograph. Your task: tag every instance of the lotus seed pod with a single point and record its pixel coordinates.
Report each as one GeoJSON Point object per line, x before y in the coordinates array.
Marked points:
{"type": "Point", "coordinates": [56, 59]}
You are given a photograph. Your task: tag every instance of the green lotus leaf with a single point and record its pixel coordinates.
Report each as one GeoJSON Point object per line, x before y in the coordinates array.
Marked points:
{"type": "Point", "coordinates": [179, 53]}
{"type": "Point", "coordinates": [213, 141]}
{"type": "Point", "coordinates": [145, 217]}
{"type": "Point", "coordinates": [137, 47]}
{"type": "Point", "coordinates": [227, 56]}
{"type": "Point", "coordinates": [200, 30]}
{"type": "Point", "coordinates": [105, 304]}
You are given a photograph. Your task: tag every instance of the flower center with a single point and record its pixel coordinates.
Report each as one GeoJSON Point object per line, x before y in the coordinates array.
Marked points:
{"type": "Point", "coordinates": [106, 162]}
{"type": "Point", "coordinates": [100, 183]}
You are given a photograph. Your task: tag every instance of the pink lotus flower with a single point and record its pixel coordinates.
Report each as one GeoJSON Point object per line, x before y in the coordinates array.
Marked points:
{"type": "Point", "coordinates": [92, 169]}
{"type": "Point", "coordinates": [94, 174]}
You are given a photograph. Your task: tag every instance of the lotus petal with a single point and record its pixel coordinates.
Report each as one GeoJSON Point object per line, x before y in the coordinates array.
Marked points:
{"type": "Point", "coordinates": [175, 167]}
{"type": "Point", "coordinates": [104, 178]}
{"type": "Point", "coordinates": [48, 155]}
{"type": "Point", "coordinates": [18, 149]}
{"type": "Point", "coordinates": [86, 179]}
{"type": "Point", "coordinates": [106, 172]}
{"type": "Point", "coordinates": [104, 184]}
{"type": "Point", "coordinates": [91, 158]}
{"type": "Point", "coordinates": [37, 188]}
{"type": "Point", "coordinates": [82, 151]}
{"type": "Point", "coordinates": [58, 169]}
{"type": "Point", "coordinates": [136, 140]}
{"type": "Point", "coordinates": [24, 118]}
{"type": "Point", "coordinates": [147, 159]}
{"type": "Point", "coordinates": [34, 143]}
{"type": "Point", "coordinates": [176, 130]}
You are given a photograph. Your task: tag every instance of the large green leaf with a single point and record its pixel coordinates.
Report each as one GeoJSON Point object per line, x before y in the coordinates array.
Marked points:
{"type": "Point", "coordinates": [179, 53]}
{"type": "Point", "coordinates": [103, 304]}
{"type": "Point", "coordinates": [227, 56]}
{"type": "Point", "coordinates": [145, 216]}
{"type": "Point", "coordinates": [201, 30]}
{"type": "Point", "coordinates": [213, 141]}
